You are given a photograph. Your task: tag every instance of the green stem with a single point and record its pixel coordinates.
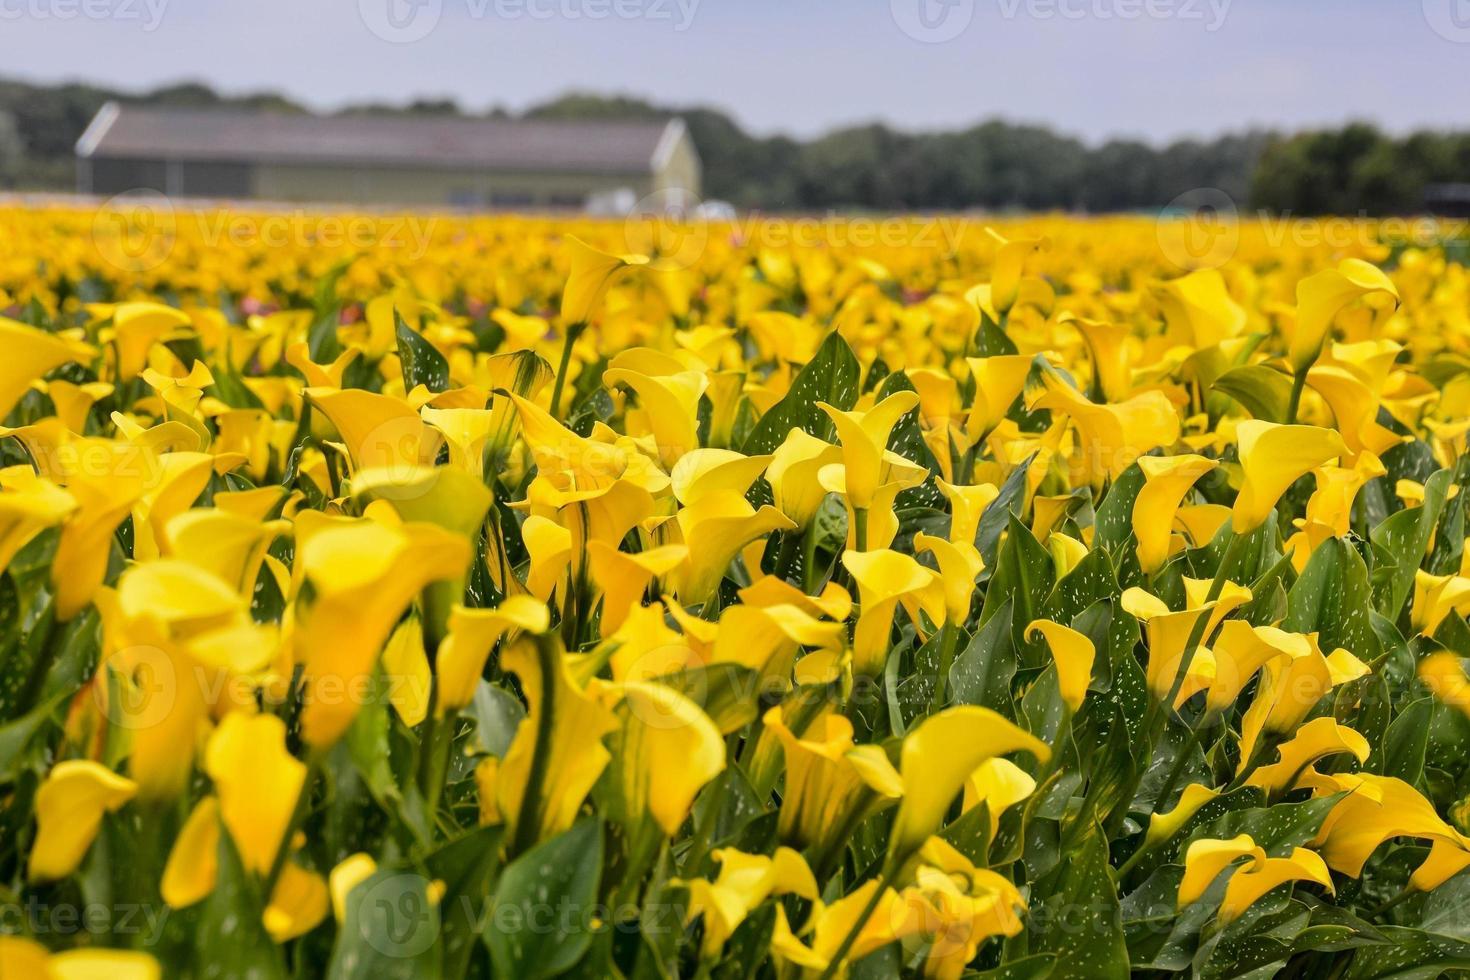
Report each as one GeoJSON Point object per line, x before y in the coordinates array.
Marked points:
{"type": "Point", "coordinates": [1298, 382]}
{"type": "Point", "coordinates": [948, 636]}
{"type": "Point", "coordinates": [528, 821]}
{"type": "Point", "coordinates": [860, 527]}
{"type": "Point", "coordinates": [1393, 903]}
{"type": "Point", "coordinates": [573, 332]}
{"type": "Point", "coordinates": [790, 545]}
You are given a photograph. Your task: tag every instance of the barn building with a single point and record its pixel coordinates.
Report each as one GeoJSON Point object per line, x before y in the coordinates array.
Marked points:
{"type": "Point", "coordinates": [383, 160]}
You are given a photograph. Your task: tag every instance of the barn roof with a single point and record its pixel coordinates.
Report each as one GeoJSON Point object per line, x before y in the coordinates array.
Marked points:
{"type": "Point", "coordinates": [243, 136]}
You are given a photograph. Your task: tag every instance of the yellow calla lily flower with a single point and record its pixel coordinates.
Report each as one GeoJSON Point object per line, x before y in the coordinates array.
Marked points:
{"type": "Point", "coordinates": [665, 752]}
{"type": "Point", "coordinates": [30, 353]}
{"type": "Point", "coordinates": [193, 863]}
{"type": "Point", "coordinates": [954, 907]}
{"type": "Point", "coordinates": [1111, 437]}
{"type": "Point", "coordinates": [960, 566]}
{"type": "Point", "coordinates": [70, 804]}
{"type": "Point", "coordinates": [362, 576]}
{"type": "Point", "coordinates": [831, 783]}
{"type": "Point", "coordinates": [864, 437]}
{"type": "Point", "coordinates": [592, 272]}
{"type": "Point", "coordinates": [257, 781]}
{"type": "Point", "coordinates": [347, 875]}
{"type": "Point", "coordinates": [938, 755]}
{"type": "Point", "coordinates": [998, 383]}
{"type": "Point", "coordinates": [1365, 819]}
{"type": "Point", "coordinates": [472, 633]}
{"type": "Point", "coordinates": [1317, 739]}
{"type": "Point", "coordinates": [744, 882]}
{"type": "Point", "coordinates": [1273, 457]}
{"type": "Point", "coordinates": [1073, 654]}
{"type": "Point", "coordinates": [1199, 309]}
{"type": "Point", "coordinates": [1168, 479]}
{"type": "Point", "coordinates": [793, 471]}
{"type": "Point", "coordinates": [1321, 297]}
{"type": "Point", "coordinates": [1010, 259]}
{"type": "Point", "coordinates": [1163, 826]}
{"type": "Point", "coordinates": [1000, 784]}
{"type": "Point", "coordinates": [561, 735]}
{"type": "Point", "coordinates": [1251, 883]}
{"type": "Point", "coordinates": [967, 505]}
{"type": "Point", "coordinates": [887, 579]}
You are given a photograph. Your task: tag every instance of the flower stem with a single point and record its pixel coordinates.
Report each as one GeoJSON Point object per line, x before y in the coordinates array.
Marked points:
{"type": "Point", "coordinates": [1298, 381]}
{"type": "Point", "coordinates": [573, 332]}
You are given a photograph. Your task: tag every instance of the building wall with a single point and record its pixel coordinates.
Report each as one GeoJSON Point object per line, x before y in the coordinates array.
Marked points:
{"type": "Point", "coordinates": [681, 170]}
{"type": "Point", "coordinates": [410, 186]}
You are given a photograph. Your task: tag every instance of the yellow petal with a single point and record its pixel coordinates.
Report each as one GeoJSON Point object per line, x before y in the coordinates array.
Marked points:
{"type": "Point", "coordinates": [472, 632]}
{"type": "Point", "coordinates": [1321, 297]}
{"type": "Point", "coordinates": [298, 902]}
{"type": "Point", "coordinates": [666, 752]}
{"type": "Point", "coordinates": [193, 863]}
{"type": "Point", "coordinates": [69, 808]}
{"type": "Point", "coordinates": [1168, 480]}
{"type": "Point", "coordinates": [257, 781]}
{"type": "Point", "coordinates": [1073, 653]}
{"type": "Point", "coordinates": [1206, 858]}
{"type": "Point", "coordinates": [347, 875]}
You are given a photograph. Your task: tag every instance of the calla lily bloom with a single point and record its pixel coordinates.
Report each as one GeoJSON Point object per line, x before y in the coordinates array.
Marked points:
{"type": "Point", "coordinates": [1443, 674]}
{"type": "Point", "coordinates": [744, 882]}
{"type": "Point", "coordinates": [714, 529]}
{"type": "Point", "coordinates": [297, 904]}
{"type": "Point", "coordinates": [1168, 631]}
{"type": "Point", "coordinates": [1163, 826]}
{"type": "Point", "coordinates": [1290, 687]}
{"type": "Point", "coordinates": [1273, 457]}
{"type": "Point", "coordinates": [472, 633]}
{"type": "Point", "coordinates": [891, 919]}
{"type": "Point", "coordinates": [864, 437]}
{"type": "Point", "coordinates": [27, 958]}
{"type": "Point", "coordinates": [1355, 408]}
{"type": "Point", "coordinates": [624, 577]}
{"type": "Point", "coordinates": [257, 781]}
{"type": "Point", "coordinates": [998, 383]}
{"type": "Point", "coordinates": [1435, 597]}
{"type": "Point", "coordinates": [1321, 297]}
{"type": "Point", "coordinates": [1072, 653]}
{"type": "Point", "coordinates": [960, 566]}
{"type": "Point", "coordinates": [938, 755]}
{"type": "Point", "coordinates": [793, 475]}
{"type": "Point", "coordinates": [193, 864]}
{"type": "Point", "coordinates": [668, 395]}
{"type": "Point", "coordinates": [362, 576]}
{"type": "Point", "coordinates": [999, 784]}
{"type": "Point", "coordinates": [1010, 258]}
{"type": "Point", "coordinates": [967, 505]}
{"type": "Point", "coordinates": [561, 737]}
{"type": "Point", "coordinates": [1385, 807]}
{"type": "Point", "coordinates": [1168, 480]}
{"type": "Point", "coordinates": [136, 327]}
{"type": "Point", "coordinates": [1107, 344]}
{"type": "Point", "coordinates": [29, 504]}
{"type": "Point", "coordinates": [955, 907]}
{"type": "Point", "coordinates": [70, 805]}
{"type": "Point", "coordinates": [592, 272]}
{"type": "Point", "coordinates": [377, 430]}
{"type": "Point", "coordinates": [1251, 883]}
{"type": "Point", "coordinates": [1317, 739]}
{"type": "Point", "coordinates": [30, 353]}
{"type": "Point", "coordinates": [347, 875]}
{"type": "Point", "coordinates": [105, 479]}
{"type": "Point", "coordinates": [1199, 309]}
{"type": "Point", "coordinates": [887, 579]}
{"type": "Point", "coordinates": [1111, 437]}
{"type": "Point", "coordinates": [831, 783]}
{"type": "Point", "coordinates": [664, 753]}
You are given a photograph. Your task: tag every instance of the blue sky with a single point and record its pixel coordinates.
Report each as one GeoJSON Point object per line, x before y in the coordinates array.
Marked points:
{"type": "Point", "coordinates": [1156, 69]}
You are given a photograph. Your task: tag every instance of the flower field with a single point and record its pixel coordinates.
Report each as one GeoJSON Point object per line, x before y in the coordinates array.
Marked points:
{"type": "Point", "coordinates": [498, 597]}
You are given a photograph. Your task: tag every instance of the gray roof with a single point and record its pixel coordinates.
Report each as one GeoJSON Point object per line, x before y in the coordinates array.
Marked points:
{"type": "Point", "coordinates": [241, 136]}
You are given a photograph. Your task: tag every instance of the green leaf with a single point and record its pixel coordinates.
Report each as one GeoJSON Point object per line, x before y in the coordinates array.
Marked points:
{"type": "Point", "coordinates": [998, 514]}
{"type": "Point", "coordinates": [230, 939]}
{"type": "Point", "coordinates": [1414, 955]}
{"type": "Point", "coordinates": [1023, 576]}
{"type": "Point", "coordinates": [1080, 920]}
{"type": "Point", "coordinates": [1262, 391]}
{"type": "Point", "coordinates": [831, 376]}
{"type": "Point", "coordinates": [421, 360]}
{"type": "Point", "coordinates": [1114, 519]}
{"type": "Point", "coordinates": [467, 866]}
{"type": "Point", "coordinates": [1332, 598]}
{"type": "Point", "coordinates": [544, 910]}
{"type": "Point", "coordinates": [1400, 543]}
{"type": "Point", "coordinates": [1403, 747]}
{"type": "Point", "coordinates": [1278, 829]}
{"type": "Point", "coordinates": [982, 673]}
{"type": "Point", "coordinates": [1038, 967]}
{"type": "Point", "coordinates": [391, 930]}
{"type": "Point", "coordinates": [497, 714]}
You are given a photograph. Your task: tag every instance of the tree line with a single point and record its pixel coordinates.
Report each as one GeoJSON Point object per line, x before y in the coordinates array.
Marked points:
{"type": "Point", "coordinates": [997, 165]}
